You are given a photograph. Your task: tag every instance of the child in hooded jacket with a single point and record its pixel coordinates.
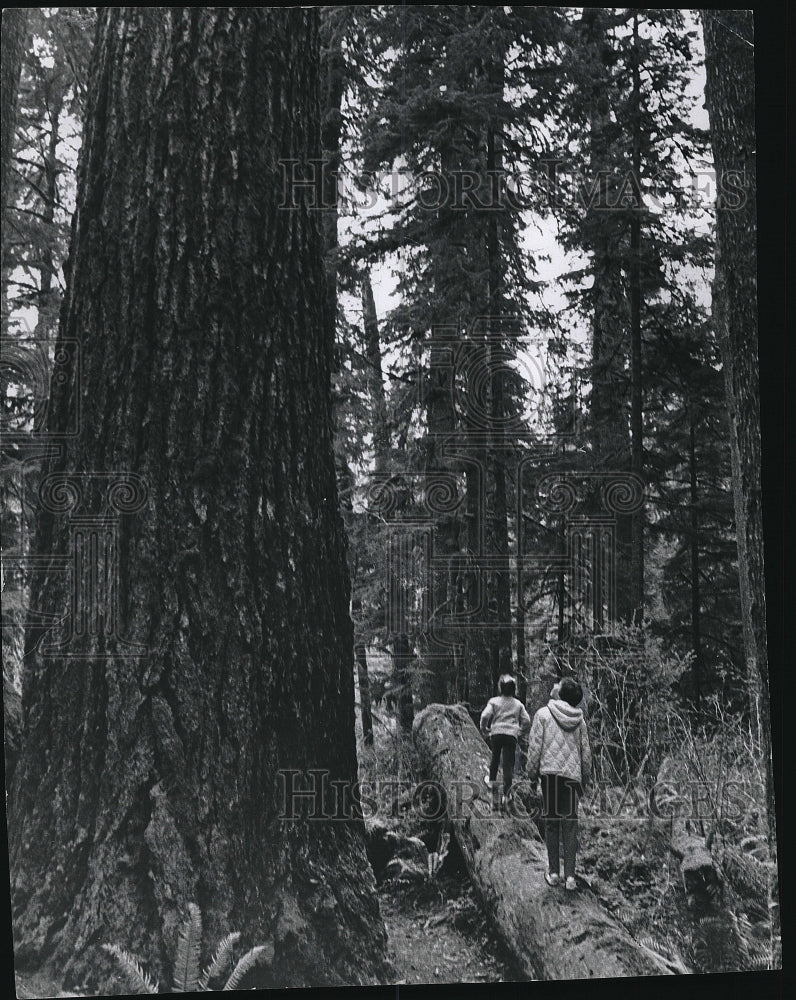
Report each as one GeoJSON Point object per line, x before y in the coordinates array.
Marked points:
{"type": "Point", "coordinates": [559, 754]}
{"type": "Point", "coordinates": [504, 721]}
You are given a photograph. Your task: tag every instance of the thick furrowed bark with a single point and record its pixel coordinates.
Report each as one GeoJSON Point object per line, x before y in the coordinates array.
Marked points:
{"type": "Point", "coordinates": [149, 777]}
{"type": "Point", "coordinates": [553, 934]}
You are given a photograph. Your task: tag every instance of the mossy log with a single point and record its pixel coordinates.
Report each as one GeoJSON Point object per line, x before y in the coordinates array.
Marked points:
{"type": "Point", "coordinates": [552, 933]}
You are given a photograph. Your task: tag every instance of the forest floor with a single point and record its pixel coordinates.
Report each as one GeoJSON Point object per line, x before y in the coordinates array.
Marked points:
{"type": "Point", "coordinates": [438, 932]}
{"type": "Point", "coordinates": [443, 937]}
{"type": "Point", "coordinates": [37, 985]}
{"type": "Point", "coordinates": [440, 936]}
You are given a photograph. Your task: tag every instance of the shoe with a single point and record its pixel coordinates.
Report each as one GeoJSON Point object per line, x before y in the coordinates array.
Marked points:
{"type": "Point", "coordinates": [552, 878]}
{"type": "Point", "coordinates": [571, 884]}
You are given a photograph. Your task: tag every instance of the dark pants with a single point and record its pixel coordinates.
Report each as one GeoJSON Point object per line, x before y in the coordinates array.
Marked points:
{"type": "Point", "coordinates": [507, 746]}
{"type": "Point", "coordinates": [560, 811]}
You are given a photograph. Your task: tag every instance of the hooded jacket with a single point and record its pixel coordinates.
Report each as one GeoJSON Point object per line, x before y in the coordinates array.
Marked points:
{"type": "Point", "coordinates": [559, 743]}
{"type": "Point", "coordinates": [505, 716]}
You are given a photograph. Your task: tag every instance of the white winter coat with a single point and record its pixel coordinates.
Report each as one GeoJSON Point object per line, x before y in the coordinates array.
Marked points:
{"type": "Point", "coordinates": [559, 743]}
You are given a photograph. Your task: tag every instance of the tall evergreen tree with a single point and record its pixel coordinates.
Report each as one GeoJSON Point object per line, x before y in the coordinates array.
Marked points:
{"type": "Point", "coordinates": [445, 118]}
{"type": "Point", "coordinates": [729, 93]}
{"type": "Point", "coordinates": [691, 516]}
{"type": "Point", "coordinates": [160, 715]}
{"type": "Point", "coordinates": [42, 182]}
{"type": "Point", "coordinates": [626, 114]}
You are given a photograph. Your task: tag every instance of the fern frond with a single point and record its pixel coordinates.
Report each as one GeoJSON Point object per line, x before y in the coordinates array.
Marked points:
{"type": "Point", "coordinates": [132, 968]}
{"type": "Point", "coordinates": [248, 961]}
{"type": "Point", "coordinates": [186, 966]}
{"type": "Point", "coordinates": [668, 951]}
{"type": "Point", "coordinates": [759, 960]}
{"type": "Point", "coordinates": [221, 959]}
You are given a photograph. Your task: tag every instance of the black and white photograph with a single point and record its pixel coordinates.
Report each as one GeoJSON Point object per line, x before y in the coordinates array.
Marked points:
{"type": "Point", "coordinates": [388, 469]}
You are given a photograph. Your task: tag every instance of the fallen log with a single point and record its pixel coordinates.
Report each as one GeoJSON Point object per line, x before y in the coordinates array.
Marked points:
{"type": "Point", "coordinates": [710, 867]}
{"type": "Point", "coordinates": [707, 874]}
{"type": "Point", "coordinates": [552, 933]}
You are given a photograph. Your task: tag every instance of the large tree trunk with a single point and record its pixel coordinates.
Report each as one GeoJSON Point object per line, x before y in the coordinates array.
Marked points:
{"type": "Point", "coordinates": [730, 99]}
{"type": "Point", "coordinates": [159, 716]}
{"type": "Point", "coordinates": [552, 934]}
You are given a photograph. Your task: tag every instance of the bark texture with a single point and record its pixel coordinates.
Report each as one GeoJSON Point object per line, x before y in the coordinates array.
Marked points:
{"type": "Point", "coordinates": [730, 100]}
{"type": "Point", "coordinates": [552, 934]}
{"type": "Point", "coordinates": [149, 775]}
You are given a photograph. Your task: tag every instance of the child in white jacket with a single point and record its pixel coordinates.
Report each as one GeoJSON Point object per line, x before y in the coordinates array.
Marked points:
{"type": "Point", "coordinates": [559, 753]}
{"type": "Point", "coordinates": [503, 722]}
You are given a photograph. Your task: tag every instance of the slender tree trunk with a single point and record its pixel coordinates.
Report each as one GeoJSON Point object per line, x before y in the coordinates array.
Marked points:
{"type": "Point", "coordinates": [381, 430]}
{"type": "Point", "coordinates": [400, 641]}
{"type": "Point", "coordinates": [477, 659]}
{"type": "Point", "coordinates": [332, 74]}
{"type": "Point", "coordinates": [498, 404]}
{"type": "Point", "coordinates": [609, 429]}
{"type": "Point", "coordinates": [561, 587]}
{"type": "Point", "coordinates": [729, 92]}
{"type": "Point", "coordinates": [47, 308]}
{"type": "Point", "coordinates": [636, 386]}
{"type": "Point", "coordinates": [159, 718]}
{"type": "Point", "coordinates": [364, 693]}
{"type": "Point", "coordinates": [696, 635]}
{"type": "Point", "coordinates": [442, 424]}
{"type": "Point", "coordinates": [403, 654]}
{"type": "Point", "coordinates": [522, 664]}
{"type": "Point", "coordinates": [13, 44]}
